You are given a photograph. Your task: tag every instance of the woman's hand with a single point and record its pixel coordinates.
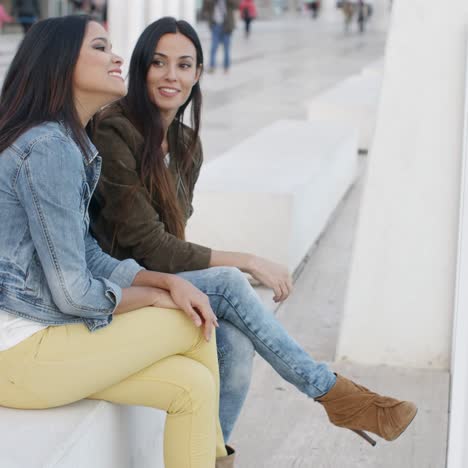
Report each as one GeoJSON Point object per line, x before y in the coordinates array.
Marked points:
{"type": "Point", "coordinates": [272, 275]}
{"type": "Point", "coordinates": [193, 302]}
{"type": "Point", "coordinates": [163, 299]}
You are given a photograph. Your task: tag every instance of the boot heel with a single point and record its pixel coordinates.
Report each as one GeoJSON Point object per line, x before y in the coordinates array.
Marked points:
{"type": "Point", "coordinates": [365, 437]}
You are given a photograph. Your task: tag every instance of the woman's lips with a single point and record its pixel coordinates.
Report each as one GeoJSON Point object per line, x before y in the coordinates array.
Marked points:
{"type": "Point", "coordinates": [168, 92]}
{"type": "Point", "coordinates": [116, 74]}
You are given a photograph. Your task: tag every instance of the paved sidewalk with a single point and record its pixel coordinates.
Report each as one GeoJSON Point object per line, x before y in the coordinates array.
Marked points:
{"type": "Point", "coordinates": [283, 65]}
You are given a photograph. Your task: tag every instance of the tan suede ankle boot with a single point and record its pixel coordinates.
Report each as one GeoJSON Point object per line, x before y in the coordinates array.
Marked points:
{"type": "Point", "coordinates": [354, 407]}
{"type": "Point", "coordinates": [228, 460]}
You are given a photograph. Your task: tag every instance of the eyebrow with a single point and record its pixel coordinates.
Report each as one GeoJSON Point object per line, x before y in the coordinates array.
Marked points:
{"type": "Point", "coordinates": [100, 39]}
{"type": "Point", "coordinates": [181, 57]}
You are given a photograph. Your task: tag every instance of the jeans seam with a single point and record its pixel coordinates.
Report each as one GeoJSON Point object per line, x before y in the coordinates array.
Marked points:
{"type": "Point", "coordinates": [223, 295]}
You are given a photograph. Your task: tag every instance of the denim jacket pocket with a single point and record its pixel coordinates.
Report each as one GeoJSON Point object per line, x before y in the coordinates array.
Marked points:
{"type": "Point", "coordinates": [12, 275]}
{"type": "Point", "coordinates": [34, 276]}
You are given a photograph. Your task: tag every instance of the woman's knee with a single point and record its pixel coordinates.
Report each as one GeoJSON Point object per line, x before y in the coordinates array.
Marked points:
{"type": "Point", "coordinates": [235, 355]}
{"type": "Point", "coordinates": [197, 388]}
{"type": "Point", "coordinates": [231, 276]}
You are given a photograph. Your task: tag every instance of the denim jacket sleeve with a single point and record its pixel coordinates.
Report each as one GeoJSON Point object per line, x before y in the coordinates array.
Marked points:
{"type": "Point", "coordinates": [101, 264]}
{"type": "Point", "coordinates": [50, 186]}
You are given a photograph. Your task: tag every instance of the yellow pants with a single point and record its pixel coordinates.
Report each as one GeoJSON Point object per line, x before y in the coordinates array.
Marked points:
{"type": "Point", "coordinates": [149, 357]}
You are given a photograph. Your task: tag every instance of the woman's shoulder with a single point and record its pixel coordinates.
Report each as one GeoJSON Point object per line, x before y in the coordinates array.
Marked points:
{"type": "Point", "coordinates": [111, 123]}
{"type": "Point", "coordinates": [45, 133]}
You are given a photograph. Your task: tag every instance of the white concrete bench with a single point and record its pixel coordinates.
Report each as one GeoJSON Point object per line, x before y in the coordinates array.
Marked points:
{"type": "Point", "coordinates": [273, 193]}
{"type": "Point", "coordinates": [353, 101]}
{"type": "Point", "coordinates": [84, 434]}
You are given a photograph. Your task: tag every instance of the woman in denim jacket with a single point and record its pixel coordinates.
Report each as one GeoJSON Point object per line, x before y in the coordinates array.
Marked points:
{"type": "Point", "coordinates": [74, 322]}
{"type": "Point", "coordinates": [151, 162]}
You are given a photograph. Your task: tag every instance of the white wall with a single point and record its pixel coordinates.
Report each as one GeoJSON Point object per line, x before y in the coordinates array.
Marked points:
{"type": "Point", "coordinates": [400, 295]}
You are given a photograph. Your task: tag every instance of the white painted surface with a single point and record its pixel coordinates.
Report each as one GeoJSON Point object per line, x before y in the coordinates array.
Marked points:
{"type": "Point", "coordinates": [458, 451]}
{"type": "Point", "coordinates": [273, 193]}
{"type": "Point", "coordinates": [401, 289]}
{"type": "Point", "coordinates": [128, 19]}
{"type": "Point", "coordinates": [353, 101]}
{"type": "Point", "coordinates": [87, 433]}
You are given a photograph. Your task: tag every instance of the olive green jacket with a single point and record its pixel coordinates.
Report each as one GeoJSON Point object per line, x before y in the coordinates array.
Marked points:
{"type": "Point", "coordinates": [231, 7]}
{"type": "Point", "coordinates": [137, 231]}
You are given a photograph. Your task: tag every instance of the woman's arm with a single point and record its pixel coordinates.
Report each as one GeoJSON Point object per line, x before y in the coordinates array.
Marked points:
{"type": "Point", "coordinates": [181, 296]}
{"type": "Point", "coordinates": [145, 235]}
{"type": "Point", "coordinates": [175, 292]}
{"type": "Point", "coordinates": [270, 274]}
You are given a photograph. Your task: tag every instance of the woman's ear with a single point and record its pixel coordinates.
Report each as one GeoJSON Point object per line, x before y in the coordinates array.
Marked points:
{"type": "Point", "coordinates": [198, 74]}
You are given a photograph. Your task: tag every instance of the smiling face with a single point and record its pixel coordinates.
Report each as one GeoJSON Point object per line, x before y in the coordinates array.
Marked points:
{"type": "Point", "coordinates": [173, 73]}
{"type": "Point", "coordinates": [97, 78]}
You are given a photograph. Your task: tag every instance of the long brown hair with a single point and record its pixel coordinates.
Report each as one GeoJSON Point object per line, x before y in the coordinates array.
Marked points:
{"type": "Point", "coordinates": [39, 84]}
{"type": "Point", "coordinates": [146, 117]}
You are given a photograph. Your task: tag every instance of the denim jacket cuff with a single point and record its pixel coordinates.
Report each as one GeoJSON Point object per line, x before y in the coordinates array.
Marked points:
{"type": "Point", "coordinates": [124, 273]}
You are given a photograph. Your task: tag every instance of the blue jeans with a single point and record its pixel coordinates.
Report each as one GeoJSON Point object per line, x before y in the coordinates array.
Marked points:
{"type": "Point", "coordinates": [251, 325]}
{"type": "Point", "coordinates": [218, 36]}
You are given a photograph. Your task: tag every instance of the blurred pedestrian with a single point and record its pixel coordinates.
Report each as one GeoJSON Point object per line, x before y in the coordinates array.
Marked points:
{"type": "Point", "coordinates": [220, 14]}
{"type": "Point", "coordinates": [96, 9]}
{"type": "Point", "coordinates": [4, 17]}
{"type": "Point", "coordinates": [248, 12]}
{"type": "Point", "coordinates": [313, 6]}
{"type": "Point", "coordinates": [362, 14]}
{"type": "Point", "coordinates": [27, 12]}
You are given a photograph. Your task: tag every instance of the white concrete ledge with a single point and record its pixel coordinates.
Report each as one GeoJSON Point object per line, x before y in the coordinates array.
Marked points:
{"type": "Point", "coordinates": [353, 101]}
{"type": "Point", "coordinates": [273, 194]}
{"type": "Point", "coordinates": [84, 434]}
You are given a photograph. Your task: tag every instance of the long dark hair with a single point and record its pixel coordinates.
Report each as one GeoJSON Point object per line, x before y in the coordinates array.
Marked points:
{"type": "Point", "coordinates": [146, 117]}
{"type": "Point", "coordinates": [39, 84]}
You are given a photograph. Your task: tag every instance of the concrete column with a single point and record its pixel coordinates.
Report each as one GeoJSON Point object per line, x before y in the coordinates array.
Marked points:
{"type": "Point", "coordinates": [401, 290]}
{"type": "Point", "coordinates": [188, 11]}
{"type": "Point", "coordinates": [136, 22]}
{"type": "Point", "coordinates": [155, 10]}
{"type": "Point", "coordinates": [128, 19]}
{"type": "Point", "coordinates": [117, 22]}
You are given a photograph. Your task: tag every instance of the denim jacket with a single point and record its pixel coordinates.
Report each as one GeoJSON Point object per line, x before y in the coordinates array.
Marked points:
{"type": "Point", "coordinates": [52, 270]}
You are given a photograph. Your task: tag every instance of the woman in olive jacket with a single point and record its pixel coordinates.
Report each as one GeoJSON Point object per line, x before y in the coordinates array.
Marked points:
{"type": "Point", "coordinates": [151, 162]}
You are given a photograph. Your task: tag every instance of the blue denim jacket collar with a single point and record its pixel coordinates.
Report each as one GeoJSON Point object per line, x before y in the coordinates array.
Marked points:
{"type": "Point", "coordinates": [92, 152]}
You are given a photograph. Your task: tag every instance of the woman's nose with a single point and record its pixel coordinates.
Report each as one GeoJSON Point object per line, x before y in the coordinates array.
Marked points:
{"type": "Point", "coordinates": [117, 59]}
{"type": "Point", "coordinates": [171, 73]}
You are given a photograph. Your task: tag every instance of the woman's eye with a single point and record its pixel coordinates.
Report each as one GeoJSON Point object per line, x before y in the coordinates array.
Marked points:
{"type": "Point", "coordinates": [158, 63]}
{"type": "Point", "coordinates": [102, 48]}
{"type": "Point", "coordinates": [185, 65]}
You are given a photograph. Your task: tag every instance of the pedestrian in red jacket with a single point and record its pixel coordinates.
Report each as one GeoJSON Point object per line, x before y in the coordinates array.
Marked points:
{"type": "Point", "coordinates": [248, 12]}
{"type": "Point", "coordinates": [4, 17]}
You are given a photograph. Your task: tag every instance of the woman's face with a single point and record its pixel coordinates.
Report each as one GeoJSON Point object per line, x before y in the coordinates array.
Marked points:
{"type": "Point", "coordinates": [98, 76]}
{"type": "Point", "coordinates": [173, 72]}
